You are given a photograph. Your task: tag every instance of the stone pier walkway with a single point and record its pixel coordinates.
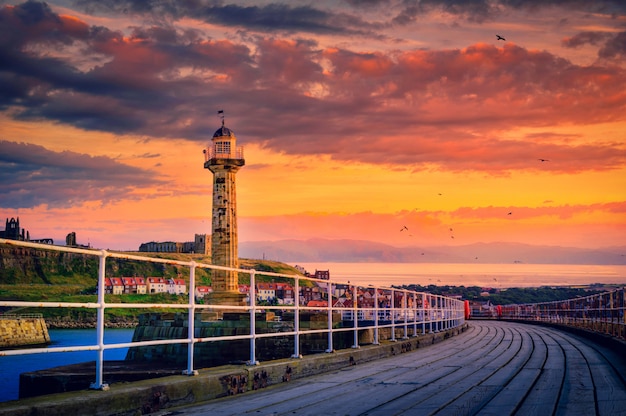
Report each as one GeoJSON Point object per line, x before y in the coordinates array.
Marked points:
{"type": "Point", "coordinates": [494, 368]}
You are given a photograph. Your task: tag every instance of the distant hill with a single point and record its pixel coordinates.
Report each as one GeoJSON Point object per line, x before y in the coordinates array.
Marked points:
{"type": "Point", "coordinates": [324, 250]}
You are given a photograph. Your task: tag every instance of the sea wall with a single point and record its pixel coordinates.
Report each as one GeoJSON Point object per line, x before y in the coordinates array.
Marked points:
{"type": "Point", "coordinates": [18, 331]}
{"type": "Point", "coordinates": [157, 326]}
{"type": "Point", "coordinates": [160, 326]}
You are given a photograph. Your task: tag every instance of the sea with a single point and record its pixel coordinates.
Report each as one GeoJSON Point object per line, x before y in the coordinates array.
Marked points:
{"type": "Point", "coordinates": [473, 274]}
{"type": "Point", "coordinates": [12, 366]}
{"type": "Point", "coordinates": [364, 274]}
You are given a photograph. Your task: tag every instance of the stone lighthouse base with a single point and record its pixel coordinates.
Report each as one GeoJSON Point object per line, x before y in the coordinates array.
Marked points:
{"type": "Point", "coordinates": [226, 298]}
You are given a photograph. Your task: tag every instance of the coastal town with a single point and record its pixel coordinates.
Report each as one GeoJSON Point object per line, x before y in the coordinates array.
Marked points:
{"type": "Point", "coordinates": [271, 293]}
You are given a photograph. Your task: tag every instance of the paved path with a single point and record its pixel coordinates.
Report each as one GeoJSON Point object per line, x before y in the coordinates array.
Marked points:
{"type": "Point", "coordinates": [494, 368]}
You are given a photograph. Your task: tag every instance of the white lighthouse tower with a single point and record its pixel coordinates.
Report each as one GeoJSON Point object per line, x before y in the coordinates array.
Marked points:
{"type": "Point", "coordinates": [223, 158]}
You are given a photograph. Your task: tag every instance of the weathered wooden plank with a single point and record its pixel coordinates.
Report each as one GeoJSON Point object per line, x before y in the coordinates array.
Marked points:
{"type": "Point", "coordinates": [497, 368]}
{"type": "Point", "coordinates": [578, 392]}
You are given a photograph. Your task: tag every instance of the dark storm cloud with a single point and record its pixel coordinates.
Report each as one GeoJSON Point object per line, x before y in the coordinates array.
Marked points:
{"type": "Point", "coordinates": [612, 7]}
{"type": "Point", "coordinates": [614, 47]}
{"type": "Point", "coordinates": [313, 18]}
{"type": "Point", "coordinates": [137, 79]}
{"type": "Point", "coordinates": [584, 38]}
{"type": "Point", "coordinates": [483, 10]}
{"type": "Point", "coordinates": [299, 98]}
{"type": "Point", "coordinates": [282, 17]}
{"type": "Point", "coordinates": [272, 17]}
{"type": "Point", "coordinates": [31, 175]}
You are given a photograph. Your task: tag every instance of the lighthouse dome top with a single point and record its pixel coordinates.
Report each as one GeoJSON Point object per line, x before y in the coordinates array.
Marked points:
{"type": "Point", "coordinates": [224, 131]}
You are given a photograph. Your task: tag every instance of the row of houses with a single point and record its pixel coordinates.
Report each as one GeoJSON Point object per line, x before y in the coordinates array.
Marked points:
{"type": "Point", "coordinates": [144, 285]}
{"type": "Point", "coordinates": [278, 293]}
{"type": "Point", "coordinates": [312, 296]}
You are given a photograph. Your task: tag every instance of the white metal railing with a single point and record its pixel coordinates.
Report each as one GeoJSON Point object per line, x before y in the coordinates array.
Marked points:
{"type": "Point", "coordinates": [375, 308]}
{"type": "Point", "coordinates": [603, 312]}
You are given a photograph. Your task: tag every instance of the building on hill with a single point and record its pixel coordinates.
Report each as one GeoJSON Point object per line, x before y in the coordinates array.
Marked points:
{"type": "Point", "coordinates": [322, 274]}
{"type": "Point", "coordinates": [202, 291]}
{"type": "Point", "coordinates": [12, 231]}
{"type": "Point", "coordinates": [200, 245]}
{"type": "Point", "coordinates": [176, 286]}
{"type": "Point", "coordinates": [142, 287]}
{"type": "Point", "coordinates": [113, 285]}
{"type": "Point", "coordinates": [156, 285]}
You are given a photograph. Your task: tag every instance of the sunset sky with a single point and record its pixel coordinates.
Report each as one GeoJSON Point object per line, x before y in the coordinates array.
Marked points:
{"type": "Point", "coordinates": [358, 118]}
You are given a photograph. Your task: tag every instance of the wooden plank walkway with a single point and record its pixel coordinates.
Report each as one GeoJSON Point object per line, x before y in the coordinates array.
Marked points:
{"type": "Point", "coordinates": [494, 368]}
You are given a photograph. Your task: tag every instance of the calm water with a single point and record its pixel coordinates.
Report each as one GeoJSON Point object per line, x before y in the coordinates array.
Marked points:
{"type": "Point", "coordinates": [12, 366]}
{"type": "Point", "coordinates": [484, 275]}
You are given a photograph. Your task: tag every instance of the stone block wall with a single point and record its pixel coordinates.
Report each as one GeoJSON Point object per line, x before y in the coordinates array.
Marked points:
{"type": "Point", "coordinates": [23, 331]}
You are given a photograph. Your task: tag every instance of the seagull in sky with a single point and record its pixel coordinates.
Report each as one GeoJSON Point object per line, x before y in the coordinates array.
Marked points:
{"type": "Point", "coordinates": [543, 160]}
{"type": "Point", "coordinates": [510, 213]}
{"type": "Point", "coordinates": [499, 37]}
{"type": "Point", "coordinates": [404, 228]}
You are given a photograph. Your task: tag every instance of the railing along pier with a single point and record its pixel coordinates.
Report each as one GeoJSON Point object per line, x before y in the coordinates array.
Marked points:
{"type": "Point", "coordinates": [358, 308]}
{"type": "Point", "coordinates": [603, 313]}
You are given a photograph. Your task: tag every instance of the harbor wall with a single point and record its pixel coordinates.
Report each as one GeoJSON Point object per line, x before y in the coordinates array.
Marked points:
{"type": "Point", "coordinates": [18, 331]}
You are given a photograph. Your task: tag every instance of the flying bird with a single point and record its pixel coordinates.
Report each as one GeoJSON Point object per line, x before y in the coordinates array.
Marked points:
{"type": "Point", "coordinates": [404, 228]}
{"type": "Point", "coordinates": [510, 213]}
{"type": "Point", "coordinates": [543, 160]}
{"type": "Point", "coordinates": [499, 37]}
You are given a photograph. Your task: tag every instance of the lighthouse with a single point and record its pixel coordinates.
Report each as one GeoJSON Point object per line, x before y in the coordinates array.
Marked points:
{"type": "Point", "coordinates": [223, 158]}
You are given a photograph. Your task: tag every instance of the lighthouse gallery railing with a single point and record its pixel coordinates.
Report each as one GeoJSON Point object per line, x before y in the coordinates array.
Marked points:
{"type": "Point", "coordinates": [401, 311]}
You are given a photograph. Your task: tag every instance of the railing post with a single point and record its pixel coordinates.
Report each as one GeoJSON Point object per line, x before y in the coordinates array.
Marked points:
{"type": "Point", "coordinates": [98, 384]}
{"type": "Point", "coordinates": [392, 309]}
{"type": "Point", "coordinates": [423, 313]}
{"type": "Point", "coordinates": [253, 360]}
{"type": "Point", "coordinates": [404, 313]}
{"type": "Point", "coordinates": [296, 317]}
{"type": "Point", "coordinates": [191, 321]}
{"type": "Point", "coordinates": [355, 310]}
{"type": "Point", "coordinates": [330, 317]}
{"type": "Point", "coordinates": [414, 313]}
{"type": "Point", "coordinates": [376, 312]}
{"type": "Point", "coordinates": [439, 314]}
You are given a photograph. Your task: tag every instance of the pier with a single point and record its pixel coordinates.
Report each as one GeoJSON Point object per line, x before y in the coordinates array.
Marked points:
{"type": "Point", "coordinates": [493, 368]}
{"type": "Point", "coordinates": [407, 352]}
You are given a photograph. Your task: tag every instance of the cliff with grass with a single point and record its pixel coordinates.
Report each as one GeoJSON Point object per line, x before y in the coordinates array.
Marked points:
{"type": "Point", "coordinates": [40, 275]}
